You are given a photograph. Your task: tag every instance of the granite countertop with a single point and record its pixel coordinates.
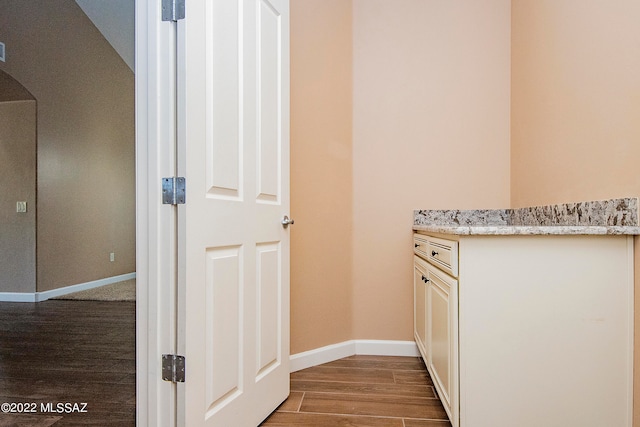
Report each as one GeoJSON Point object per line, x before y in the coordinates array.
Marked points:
{"type": "Point", "coordinates": [615, 216]}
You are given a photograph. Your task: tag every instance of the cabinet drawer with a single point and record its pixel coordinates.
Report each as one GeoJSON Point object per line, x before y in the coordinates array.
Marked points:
{"type": "Point", "coordinates": [420, 245]}
{"type": "Point", "coordinates": [439, 252]}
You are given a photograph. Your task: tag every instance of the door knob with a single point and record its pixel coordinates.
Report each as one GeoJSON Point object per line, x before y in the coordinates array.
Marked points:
{"type": "Point", "coordinates": [286, 221]}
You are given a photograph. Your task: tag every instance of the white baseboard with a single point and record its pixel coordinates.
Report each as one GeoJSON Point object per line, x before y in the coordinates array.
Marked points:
{"type": "Point", "coordinates": [333, 352]}
{"type": "Point", "coordinates": [321, 355]}
{"type": "Point", "coordinates": [17, 297]}
{"type": "Point", "coordinates": [387, 348]}
{"type": "Point", "coordinates": [43, 296]}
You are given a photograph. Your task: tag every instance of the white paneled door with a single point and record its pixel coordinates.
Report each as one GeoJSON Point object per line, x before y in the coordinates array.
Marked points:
{"type": "Point", "coordinates": [233, 250]}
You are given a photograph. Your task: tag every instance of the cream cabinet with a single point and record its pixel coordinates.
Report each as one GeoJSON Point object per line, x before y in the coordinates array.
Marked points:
{"type": "Point", "coordinates": [442, 333]}
{"type": "Point", "coordinates": [527, 330]}
{"type": "Point", "coordinates": [436, 316]}
{"type": "Point", "coordinates": [420, 304]}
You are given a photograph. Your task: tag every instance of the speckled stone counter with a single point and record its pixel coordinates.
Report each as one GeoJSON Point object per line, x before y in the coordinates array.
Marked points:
{"type": "Point", "coordinates": [615, 216]}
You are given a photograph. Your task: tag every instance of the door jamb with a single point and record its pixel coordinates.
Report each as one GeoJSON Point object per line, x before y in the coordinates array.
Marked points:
{"type": "Point", "coordinates": [155, 82]}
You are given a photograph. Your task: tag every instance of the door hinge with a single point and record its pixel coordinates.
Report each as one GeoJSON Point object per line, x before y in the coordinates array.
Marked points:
{"type": "Point", "coordinates": [172, 10]}
{"type": "Point", "coordinates": [173, 368]}
{"type": "Point", "coordinates": [173, 191]}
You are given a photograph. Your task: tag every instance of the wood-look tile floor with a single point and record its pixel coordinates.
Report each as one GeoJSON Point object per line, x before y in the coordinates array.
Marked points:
{"type": "Point", "coordinates": [362, 391]}
{"type": "Point", "coordinates": [68, 352]}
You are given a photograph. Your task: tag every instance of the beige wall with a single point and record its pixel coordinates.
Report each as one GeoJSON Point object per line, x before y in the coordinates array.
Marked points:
{"type": "Point", "coordinates": [576, 107]}
{"type": "Point", "coordinates": [426, 88]}
{"type": "Point", "coordinates": [18, 178]}
{"type": "Point", "coordinates": [576, 101]}
{"type": "Point", "coordinates": [321, 173]}
{"type": "Point", "coordinates": [430, 130]}
{"type": "Point", "coordinates": [86, 201]}
{"type": "Point", "coordinates": [431, 93]}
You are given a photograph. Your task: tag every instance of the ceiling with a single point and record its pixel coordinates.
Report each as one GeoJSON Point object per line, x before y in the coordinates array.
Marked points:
{"type": "Point", "coordinates": [116, 21]}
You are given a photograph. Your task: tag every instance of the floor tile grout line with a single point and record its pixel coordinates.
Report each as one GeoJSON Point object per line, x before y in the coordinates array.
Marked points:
{"type": "Point", "coordinates": [301, 399]}
{"type": "Point", "coordinates": [367, 394]}
{"type": "Point", "coordinates": [423, 384]}
{"type": "Point", "coordinates": [362, 368]}
{"type": "Point", "coordinates": [361, 382]}
{"type": "Point", "coordinates": [385, 417]}
{"type": "Point", "coordinates": [375, 416]}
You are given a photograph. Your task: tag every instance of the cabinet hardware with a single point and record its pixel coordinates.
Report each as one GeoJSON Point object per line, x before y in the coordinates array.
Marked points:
{"type": "Point", "coordinates": [416, 245]}
{"type": "Point", "coordinates": [434, 253]}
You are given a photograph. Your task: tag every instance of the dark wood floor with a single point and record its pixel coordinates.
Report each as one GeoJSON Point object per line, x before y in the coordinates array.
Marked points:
{"type": "Point", "coordinates": [68, 352]}
{"type": "Point", "coordinates": [362, 391]}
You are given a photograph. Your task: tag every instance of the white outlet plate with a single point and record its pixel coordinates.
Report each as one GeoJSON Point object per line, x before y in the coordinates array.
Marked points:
{"type": "Point", "coordinates": [112, 256]}
{"type": "Point", "coordinates": [21, 207]}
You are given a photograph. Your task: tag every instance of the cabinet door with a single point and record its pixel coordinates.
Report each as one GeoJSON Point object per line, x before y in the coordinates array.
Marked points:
{"type": "Point", "coordinates": [442, 335]}
{"type": "Point", "coordinates": [420, 305]}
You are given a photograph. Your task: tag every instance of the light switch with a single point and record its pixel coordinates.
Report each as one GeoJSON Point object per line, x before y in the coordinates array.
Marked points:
{"type": "Point", "coordinates": [21, 207]}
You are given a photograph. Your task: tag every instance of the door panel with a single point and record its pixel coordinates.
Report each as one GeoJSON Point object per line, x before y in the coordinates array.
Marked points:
{"type": "Point", "coordinates": [223, 325]}
{"type": "Point", "coordinates": [269, 289]}
{"type": "Point", "coordinates": [270, 92]}
{"type": "Point", "coordinates": [223, 79]}
{"type": "Point", "coordinates": [233, 251]}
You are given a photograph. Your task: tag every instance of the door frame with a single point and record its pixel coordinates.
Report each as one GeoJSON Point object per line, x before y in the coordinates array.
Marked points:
{"type": "Point", "coordinates": [155, 83]}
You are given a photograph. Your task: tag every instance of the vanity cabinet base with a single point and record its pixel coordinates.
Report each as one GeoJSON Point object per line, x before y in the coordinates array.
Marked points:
{"type": "Point", "coordinates": [544, 331]}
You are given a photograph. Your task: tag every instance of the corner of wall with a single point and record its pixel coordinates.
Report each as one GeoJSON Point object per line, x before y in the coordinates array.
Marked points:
{"type": "Point", "coordinates": [321, 173]}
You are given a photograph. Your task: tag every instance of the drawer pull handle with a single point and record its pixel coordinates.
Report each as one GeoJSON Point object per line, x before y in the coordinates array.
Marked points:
{"type": "Point", "coordinates": [434, 253]}
{"type": "Point", "coordinates": [425, 280]}
{"type": "Point", "coordinates": [416, 245]}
